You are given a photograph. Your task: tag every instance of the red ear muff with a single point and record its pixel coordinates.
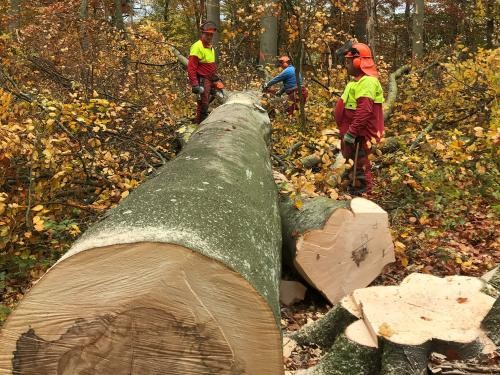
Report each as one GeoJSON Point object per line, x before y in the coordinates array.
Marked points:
{"type": "Point", "coordinates": [356, 62]}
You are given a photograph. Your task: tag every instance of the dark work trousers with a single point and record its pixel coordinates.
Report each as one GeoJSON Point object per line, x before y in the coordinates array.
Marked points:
{"type": "Point", "coordinates": [363, 183]}
{"type": "Point", "coordinates": [203, 100]}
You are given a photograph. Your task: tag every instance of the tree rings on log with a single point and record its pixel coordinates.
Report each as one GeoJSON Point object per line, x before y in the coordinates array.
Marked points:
{"type": "Point", "coordinates": [337, 246]}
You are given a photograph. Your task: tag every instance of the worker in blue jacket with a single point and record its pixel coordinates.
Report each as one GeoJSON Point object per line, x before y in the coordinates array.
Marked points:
{"type": "Point", "coordinates": [287, 76]}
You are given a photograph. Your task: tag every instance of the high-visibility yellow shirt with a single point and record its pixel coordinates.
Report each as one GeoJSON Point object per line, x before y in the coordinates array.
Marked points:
{"type": "Point", "coordinates": [367, 86]}
{"type": "Point", "coordinates": [205, 54]}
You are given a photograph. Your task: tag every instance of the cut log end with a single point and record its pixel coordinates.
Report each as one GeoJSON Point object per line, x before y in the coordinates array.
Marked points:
{"type": "Point", "coordinates": [349, 252]}
{"type": "Point", "coordinates": [175, 312]}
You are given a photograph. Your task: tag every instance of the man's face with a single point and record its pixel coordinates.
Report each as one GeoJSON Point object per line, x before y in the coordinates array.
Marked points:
{"type": "Point", "coordinates": [207, 37]}
{"type": "Point", "coordinates": [351, 70]}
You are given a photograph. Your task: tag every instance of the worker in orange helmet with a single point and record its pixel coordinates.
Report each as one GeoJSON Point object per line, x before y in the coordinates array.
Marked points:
{"type": "Point", "coordinates": [359, 115]}
{"type": "Point", "coordinates": [287, 76]}
{"type": "Point", "coordinates": [202, 69]}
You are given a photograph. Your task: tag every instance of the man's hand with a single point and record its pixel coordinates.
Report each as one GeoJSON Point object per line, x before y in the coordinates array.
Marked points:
{"type": "Point", "coordinates": [349, 138]}
{"type": "Point", "coordinates": [197, 90]}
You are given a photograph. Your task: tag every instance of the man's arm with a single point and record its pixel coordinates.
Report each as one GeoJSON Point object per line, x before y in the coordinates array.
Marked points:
{"type": "Point", "coordinates": [279, 78]}
{"type": "Point", "coordinates": [192, 69]}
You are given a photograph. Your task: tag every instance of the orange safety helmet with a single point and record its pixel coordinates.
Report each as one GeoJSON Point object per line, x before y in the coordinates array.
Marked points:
{"type": "Point", "coordinates": [284, 60]}
{"type": "Point", "coordinates": [208, 27]}
{"type": "Point", "coordinates": [362, 59]}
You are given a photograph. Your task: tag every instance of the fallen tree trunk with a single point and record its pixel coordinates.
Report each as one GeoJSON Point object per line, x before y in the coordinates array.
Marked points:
{"type": "Point", "coordinates": [180, 278]}
{"type": "Point", "coordinates": [337, 246]}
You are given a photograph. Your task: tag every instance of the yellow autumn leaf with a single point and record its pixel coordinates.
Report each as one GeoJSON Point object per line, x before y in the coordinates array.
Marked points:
{"type": "Point", "coordinates": [385, 330]}
{"type": "Point", "coordinates": [39, 226]}
{"type": "Point", "coordinates": [423, 220]}
{"type": "Point", "coordinates": [298, 204]}
{"type": "Point", "coordinates": [2, 208]}
{"type": "Point", "coordinates": [125, 194]}
{"type": "Point", "coordinates": [399, 247]}
{"type": "Point", "coordinates": [37, 208]}
{"type": "Point", "coordinates": [404, 262]}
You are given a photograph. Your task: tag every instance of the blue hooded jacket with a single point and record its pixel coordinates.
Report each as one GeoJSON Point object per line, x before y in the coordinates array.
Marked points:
{"type": "Point", "coordinates": [287, 76]}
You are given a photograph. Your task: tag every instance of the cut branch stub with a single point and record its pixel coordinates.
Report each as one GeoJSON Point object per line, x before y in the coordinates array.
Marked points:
{"type": "Point", "coordinates": [336, 246]}
{"type": "Point", "coordinates": [181, 278]}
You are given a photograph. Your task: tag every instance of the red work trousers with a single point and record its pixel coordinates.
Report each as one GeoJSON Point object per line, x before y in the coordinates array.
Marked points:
{"type": "Point", "coordinates": [363, 182]}
{"type": "Point", "coordinates": [203, 100]}
{"type": "Point", "coordinates": [294, 100]}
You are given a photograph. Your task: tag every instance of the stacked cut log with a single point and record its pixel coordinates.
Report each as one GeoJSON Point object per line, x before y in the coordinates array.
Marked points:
{"type": "Point", "coordinates": [336, 246]}
{"type": "Point", "coordinates": [181, 278]}
{"type": "Point", "coordinates": [400, 326]}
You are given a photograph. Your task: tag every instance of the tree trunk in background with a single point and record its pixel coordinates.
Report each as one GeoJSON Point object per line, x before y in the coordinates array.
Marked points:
{"type": "Point", "coordinates": [213, 14]}
{"type": "Point", "coordinates": [359, 27]}
{"type": "Point", "coordinates": [203, 11]}
{"type": "Point", "coordinates": [418, 30]}
{"type": "Point", "coordinates": [370, 24]}
{"type": "Point", "coordinates": [407, 34]}
{"type": "Point", "coordinates": [181, 278]}
{"type": "Point", "coordinates": [490, 24]}
{"type": "Point", "coordinates": [118, 16]}
{"type": "Point", "coordinates": [268, 38]}
{"type": "Point", "coordinates": [15, 9]}
{"type": "Point", "coordinates": [166, 17]}
{"type": "Point", "coordinates": [84, 15]}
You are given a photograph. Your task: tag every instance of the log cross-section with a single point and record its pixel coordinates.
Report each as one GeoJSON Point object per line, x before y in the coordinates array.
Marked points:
{"type": "Point", "coordinates": [337, 246]}
{"type": "Point", "coordinates": [181, 278]}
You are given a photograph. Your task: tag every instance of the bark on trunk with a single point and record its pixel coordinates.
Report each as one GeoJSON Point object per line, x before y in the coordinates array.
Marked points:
{"type": "Point", "coordinates": [353, 353]}
{"type": "Point", "coordinates": [393, 90]}
{"type": "Point", "coordinates": [418, 30]}
{"type": "Point", "coordinates": [337, 246]}
{"type": "Point", "coordinates": [213, 14]}
{"type": "Point", "coordinates": [182, 277]}
{"type": "Point", "coordinates": [324, 332]}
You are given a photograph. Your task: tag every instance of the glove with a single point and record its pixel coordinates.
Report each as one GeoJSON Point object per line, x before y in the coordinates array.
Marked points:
{"type": "Point", "coordinates": [349, 138]}
{"type": "Point", "coordinates": [197, 90]}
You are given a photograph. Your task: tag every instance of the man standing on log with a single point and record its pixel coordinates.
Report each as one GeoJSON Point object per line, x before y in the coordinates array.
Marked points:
{"type": "Point", "coordinates": [287, 76]}
{"type": "Point", "coordinates": [202, 70]}
{"type": "Point", "coordinates": [359, 116]}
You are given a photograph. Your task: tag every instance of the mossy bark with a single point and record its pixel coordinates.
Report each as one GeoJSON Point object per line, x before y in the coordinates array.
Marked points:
{"type": "Point", "coordinates": [491, 323]}
{"type": "Point", "coordinates": [324, 331]}
{"type": "Point", "coordinates": [405, 359]}
{"type": "Point", "coordinates": [347, 357]}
